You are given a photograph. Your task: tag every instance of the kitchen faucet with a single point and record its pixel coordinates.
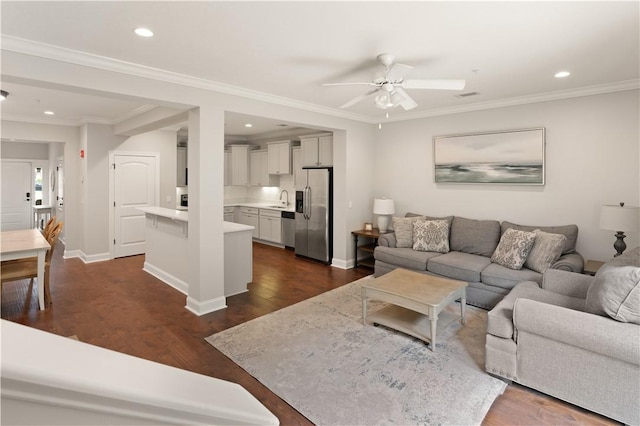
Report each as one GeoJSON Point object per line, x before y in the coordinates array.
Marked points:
{"type": "Point", "coordinates": [282, 192]}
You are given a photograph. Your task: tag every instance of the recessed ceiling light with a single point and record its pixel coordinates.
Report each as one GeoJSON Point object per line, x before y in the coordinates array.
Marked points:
{"type": "Point", "coordinates": [143, 32]}
{"type": "Point", "coordinates": [248, 125]}
{"type": "Point", "coordinates": [49, 113]}
{"type": "Point", "coordinates": [562, 74]}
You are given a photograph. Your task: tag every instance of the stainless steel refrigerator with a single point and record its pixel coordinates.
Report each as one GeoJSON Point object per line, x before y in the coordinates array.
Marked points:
{"type": "Point", "coordinates": [314, 214]}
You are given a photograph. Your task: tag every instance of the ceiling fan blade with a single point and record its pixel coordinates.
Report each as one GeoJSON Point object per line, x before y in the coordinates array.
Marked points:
{"type": "Point", "coordinates": [358, 99]}
{"type": "Point", "coordinates": [349, 84]}
{"type": "Point", "coordinates": [403, 99]}
{"type": "Point", "coordinates": [434, 84]}
{"type": "Point", "coordinates": [397, 72]}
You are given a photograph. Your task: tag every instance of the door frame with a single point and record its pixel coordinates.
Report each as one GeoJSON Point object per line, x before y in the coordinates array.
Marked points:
{"type": "Point", "coordinates": [112, 155]}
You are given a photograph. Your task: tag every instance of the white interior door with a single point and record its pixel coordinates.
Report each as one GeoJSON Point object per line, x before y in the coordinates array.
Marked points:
{"type": "Point", "coordinates": [135, 184]}
{"type": "Point", "coordinates": [16, 209]}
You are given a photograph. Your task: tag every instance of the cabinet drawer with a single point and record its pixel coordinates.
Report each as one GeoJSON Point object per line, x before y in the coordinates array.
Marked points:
{"type": "Point", "coordinates": [249, 210]}
{"type": "Point", "coordinates": [229, 209]}
{"type": "Point", "coordinates": [271, 213]}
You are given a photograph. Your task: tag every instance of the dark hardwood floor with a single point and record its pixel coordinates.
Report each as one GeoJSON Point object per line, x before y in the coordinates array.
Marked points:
{"type": "Point", "coordinates": [116, 305]}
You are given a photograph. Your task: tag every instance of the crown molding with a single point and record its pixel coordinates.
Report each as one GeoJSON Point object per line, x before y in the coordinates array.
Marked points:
{"type": "Point", "coordinates": [45, 120]}
{"type": "Point", "coordinates": [57, 53]}
{"type": "Point", "coordinates": [600, 89]}
{"type": "Point", "coordinates": [62, 54]}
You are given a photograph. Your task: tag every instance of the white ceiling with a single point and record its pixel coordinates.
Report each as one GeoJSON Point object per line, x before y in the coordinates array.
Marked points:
{"type": "Point", "coordinates": [507, 51]}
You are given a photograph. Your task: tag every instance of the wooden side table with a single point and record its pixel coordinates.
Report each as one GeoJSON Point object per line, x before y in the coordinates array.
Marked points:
{"type": "Point", "coordinates": [374, 234]}
{"type": "Point", "coordinates": [591, 267]}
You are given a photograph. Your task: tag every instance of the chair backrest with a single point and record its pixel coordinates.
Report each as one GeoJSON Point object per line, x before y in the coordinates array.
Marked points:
{"type": "Point", "coordinates": [49, 227]}
{"type": "Point", "coordinates": [52, 240]}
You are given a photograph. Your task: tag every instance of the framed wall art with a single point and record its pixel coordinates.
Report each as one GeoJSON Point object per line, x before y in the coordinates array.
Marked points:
{"type": "Point", "coordinates": [513, 157]}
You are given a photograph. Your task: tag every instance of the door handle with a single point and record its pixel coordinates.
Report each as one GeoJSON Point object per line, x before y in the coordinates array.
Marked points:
{"type": "Point", "coordinates": [28, 195]}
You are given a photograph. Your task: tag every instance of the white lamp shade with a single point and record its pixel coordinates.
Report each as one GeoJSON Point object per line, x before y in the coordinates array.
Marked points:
{"type": "Point", "coordinates": [383, 206]}
{"type": "Point", "coordinates": [618, 218]}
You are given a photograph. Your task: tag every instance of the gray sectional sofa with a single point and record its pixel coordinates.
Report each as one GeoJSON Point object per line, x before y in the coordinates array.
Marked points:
{"type": "Point", "coordinates": [575, 337]}
{"type": "Point", "coordinates": [471, 246]}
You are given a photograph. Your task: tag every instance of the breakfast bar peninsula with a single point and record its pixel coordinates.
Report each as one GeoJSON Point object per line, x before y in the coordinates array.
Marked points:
{"type": "Point", "coordinates": [167, 234]}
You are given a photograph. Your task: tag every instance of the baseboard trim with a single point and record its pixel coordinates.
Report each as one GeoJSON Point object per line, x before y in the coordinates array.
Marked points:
{"type": "Point", "coordinates": [166, 277]}
{"type": "Point", "coordinates": [341, 263]}
{"type": "Point", "coordinates": [79, 254]}
{"type": "Point", "coordinates": [207, 306]}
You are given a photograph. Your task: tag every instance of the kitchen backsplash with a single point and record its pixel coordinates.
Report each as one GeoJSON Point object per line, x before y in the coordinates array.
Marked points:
{"type": "Point", "coordinates": [258, 194]}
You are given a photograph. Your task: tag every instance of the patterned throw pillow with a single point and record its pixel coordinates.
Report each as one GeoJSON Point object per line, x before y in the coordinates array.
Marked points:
{"type": "Point", "coordinates": [403, 229]}
{"type": "Point", "coordinates": [431, 235]}
{"type": "Point", "coordinates": [513, 248]}
{"type": "Point", "coordinates": [546, 249]}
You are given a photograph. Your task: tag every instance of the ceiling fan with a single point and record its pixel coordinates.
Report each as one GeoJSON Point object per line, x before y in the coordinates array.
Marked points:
{"type": "Point", "coordinates": [390, 86]}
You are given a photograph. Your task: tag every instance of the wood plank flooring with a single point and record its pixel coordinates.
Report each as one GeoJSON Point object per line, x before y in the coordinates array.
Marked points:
{"type": "Point", "coordinates": [116, 305]}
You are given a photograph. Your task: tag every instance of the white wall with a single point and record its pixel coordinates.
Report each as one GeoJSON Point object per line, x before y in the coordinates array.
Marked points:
{"type": "Point", "coordinates": [592, 158]}
{"type": "Point", "coordinates": [30, 151]}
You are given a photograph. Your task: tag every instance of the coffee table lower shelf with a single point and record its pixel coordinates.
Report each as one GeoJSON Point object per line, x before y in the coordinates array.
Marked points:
{"type": "Point", "coordinates": [410, 322]}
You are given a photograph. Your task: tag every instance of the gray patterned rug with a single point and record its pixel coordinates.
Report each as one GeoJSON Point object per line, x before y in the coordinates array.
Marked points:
{"type": "Point", "coordinates": [317, 356]}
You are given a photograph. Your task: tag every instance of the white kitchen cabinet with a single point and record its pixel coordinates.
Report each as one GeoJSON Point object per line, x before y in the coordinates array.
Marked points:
{"type": "Point", "coordinates": [229, 214]}
{"type": "Point", "coordinates": [317, 150]}
{"type": "Point", "coordinates": [298, 178]}
{"type": "Point", "coordinates": [227, 168]}
{"type": "Point", "coordinates": [239, 165]}
{"type": "Point", "coordinates": [181, 170]}
{"type": "Point", "coordinates": [271, 225]}
{"type": "Point", "coordinates": [279, 158]}
{"type": "Point", "coordinates": [259, 175]}
{"type": "Point", "coordinates": [249, 216]}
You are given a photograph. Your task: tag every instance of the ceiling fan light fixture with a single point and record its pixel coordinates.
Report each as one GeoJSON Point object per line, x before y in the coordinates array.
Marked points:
{"type": "Point", "coordinates": [383, 100]}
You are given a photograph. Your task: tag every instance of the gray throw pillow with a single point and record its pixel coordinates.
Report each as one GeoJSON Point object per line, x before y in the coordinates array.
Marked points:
{"type": "Point", "coordinates": [431, 235]}
{"type": "Point", "coordinates": [616, 293]}
{"type": "Point", "coordinates": [403, 229]}
{"type": "Point", "coordinates": [513, 248]}
{"type": "Point", "coordinates": [546, 249]}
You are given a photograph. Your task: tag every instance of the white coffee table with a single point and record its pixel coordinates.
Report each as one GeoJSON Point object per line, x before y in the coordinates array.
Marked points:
{"type": "Point", "coordinates": [416, 302]}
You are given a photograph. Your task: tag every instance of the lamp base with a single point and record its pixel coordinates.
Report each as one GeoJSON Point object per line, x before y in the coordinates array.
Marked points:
{"type": "Point", "coordinates": [383, 223]}
{"type": "Point", "coordinates": [619, 245]}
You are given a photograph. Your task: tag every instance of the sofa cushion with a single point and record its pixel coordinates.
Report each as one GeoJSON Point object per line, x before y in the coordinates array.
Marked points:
{"type": "Point", "coordinates": [569, 231]}
{"type": "Point", "coordinates": [459, 266]}
{"type": "Point", "coordinates": [503, 277]}
{"type": "Point", "coordinates": [513, 248]}
{"type": "Point", "coordinates": [500, 318]}
{"type": "Point", "coordinates": [546, 249]}
{"type": "Point", "coordinates": [474, 236]}
{"type": "Point", "coordinates": [404, 257]}
{"type": "Point", "coordinates": [431, 235]}
{"type": "Point", "coordinates": [616, 293]}
{"type": "Point", "coordinates": [403, 230]}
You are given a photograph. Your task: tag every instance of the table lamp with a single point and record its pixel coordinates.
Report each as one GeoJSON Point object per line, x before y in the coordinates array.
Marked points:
{"type": "Point", "coordinates": [620, 219]}
{"type": "Point", "coordinates": [383, 207]}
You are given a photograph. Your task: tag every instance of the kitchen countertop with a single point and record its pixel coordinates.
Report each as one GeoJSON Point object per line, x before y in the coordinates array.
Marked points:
{"type": "Point", "coordinates": [263, 205]}
{"type": "Point", "coordinates": [183, 216]}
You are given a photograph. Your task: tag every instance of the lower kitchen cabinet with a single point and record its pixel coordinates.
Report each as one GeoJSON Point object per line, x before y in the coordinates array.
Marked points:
{"type": "Point", "coordinates": [271, 226]}
{"type": "Point", "coordinates": [249, 216]}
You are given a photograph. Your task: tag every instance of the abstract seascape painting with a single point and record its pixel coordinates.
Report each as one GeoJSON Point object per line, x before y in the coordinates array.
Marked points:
{"type": "Point", "coordinates": [503, 157]}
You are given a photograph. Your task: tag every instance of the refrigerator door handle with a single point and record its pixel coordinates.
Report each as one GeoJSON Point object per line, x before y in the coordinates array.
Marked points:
{"type": "Point", "coordinates": [308, 199]}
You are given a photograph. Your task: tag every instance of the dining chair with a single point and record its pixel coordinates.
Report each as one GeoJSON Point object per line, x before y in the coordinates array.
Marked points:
{"type": "Point", "coordinates": [49, 227]}
{"type": "Point", "coordinates": [21, 269]}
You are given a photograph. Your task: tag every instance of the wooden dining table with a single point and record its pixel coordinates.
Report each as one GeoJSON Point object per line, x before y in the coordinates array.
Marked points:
{"type": "Point", "coordinates": [23, 244]}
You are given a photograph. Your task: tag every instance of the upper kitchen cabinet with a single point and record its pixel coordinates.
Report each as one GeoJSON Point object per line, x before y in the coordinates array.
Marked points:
{"type": "Point", "coordinates": [279, 158]}
{"type": "Point", "coordinates": [239, 165]}
{"type": "Point", "coordinates": [181, 171]}
{"type": "Point", "coordinates": [259, 175]}
{"type": "Point", "coordinates": [317, 150]}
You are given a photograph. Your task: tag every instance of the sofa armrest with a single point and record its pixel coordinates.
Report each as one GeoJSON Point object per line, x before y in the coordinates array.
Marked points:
{"type": "Point", "coordinates": [567, 283]}
{"type": "Point", "coordinates": [590, 332]}
{"type": "Point", "coordinates": [572, 262]}
{"type": "Point", "coordinates": [387, 240]}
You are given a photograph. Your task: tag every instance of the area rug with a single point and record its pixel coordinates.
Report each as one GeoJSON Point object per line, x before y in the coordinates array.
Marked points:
{"type": "Point", "coordinates": [319, 357]}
